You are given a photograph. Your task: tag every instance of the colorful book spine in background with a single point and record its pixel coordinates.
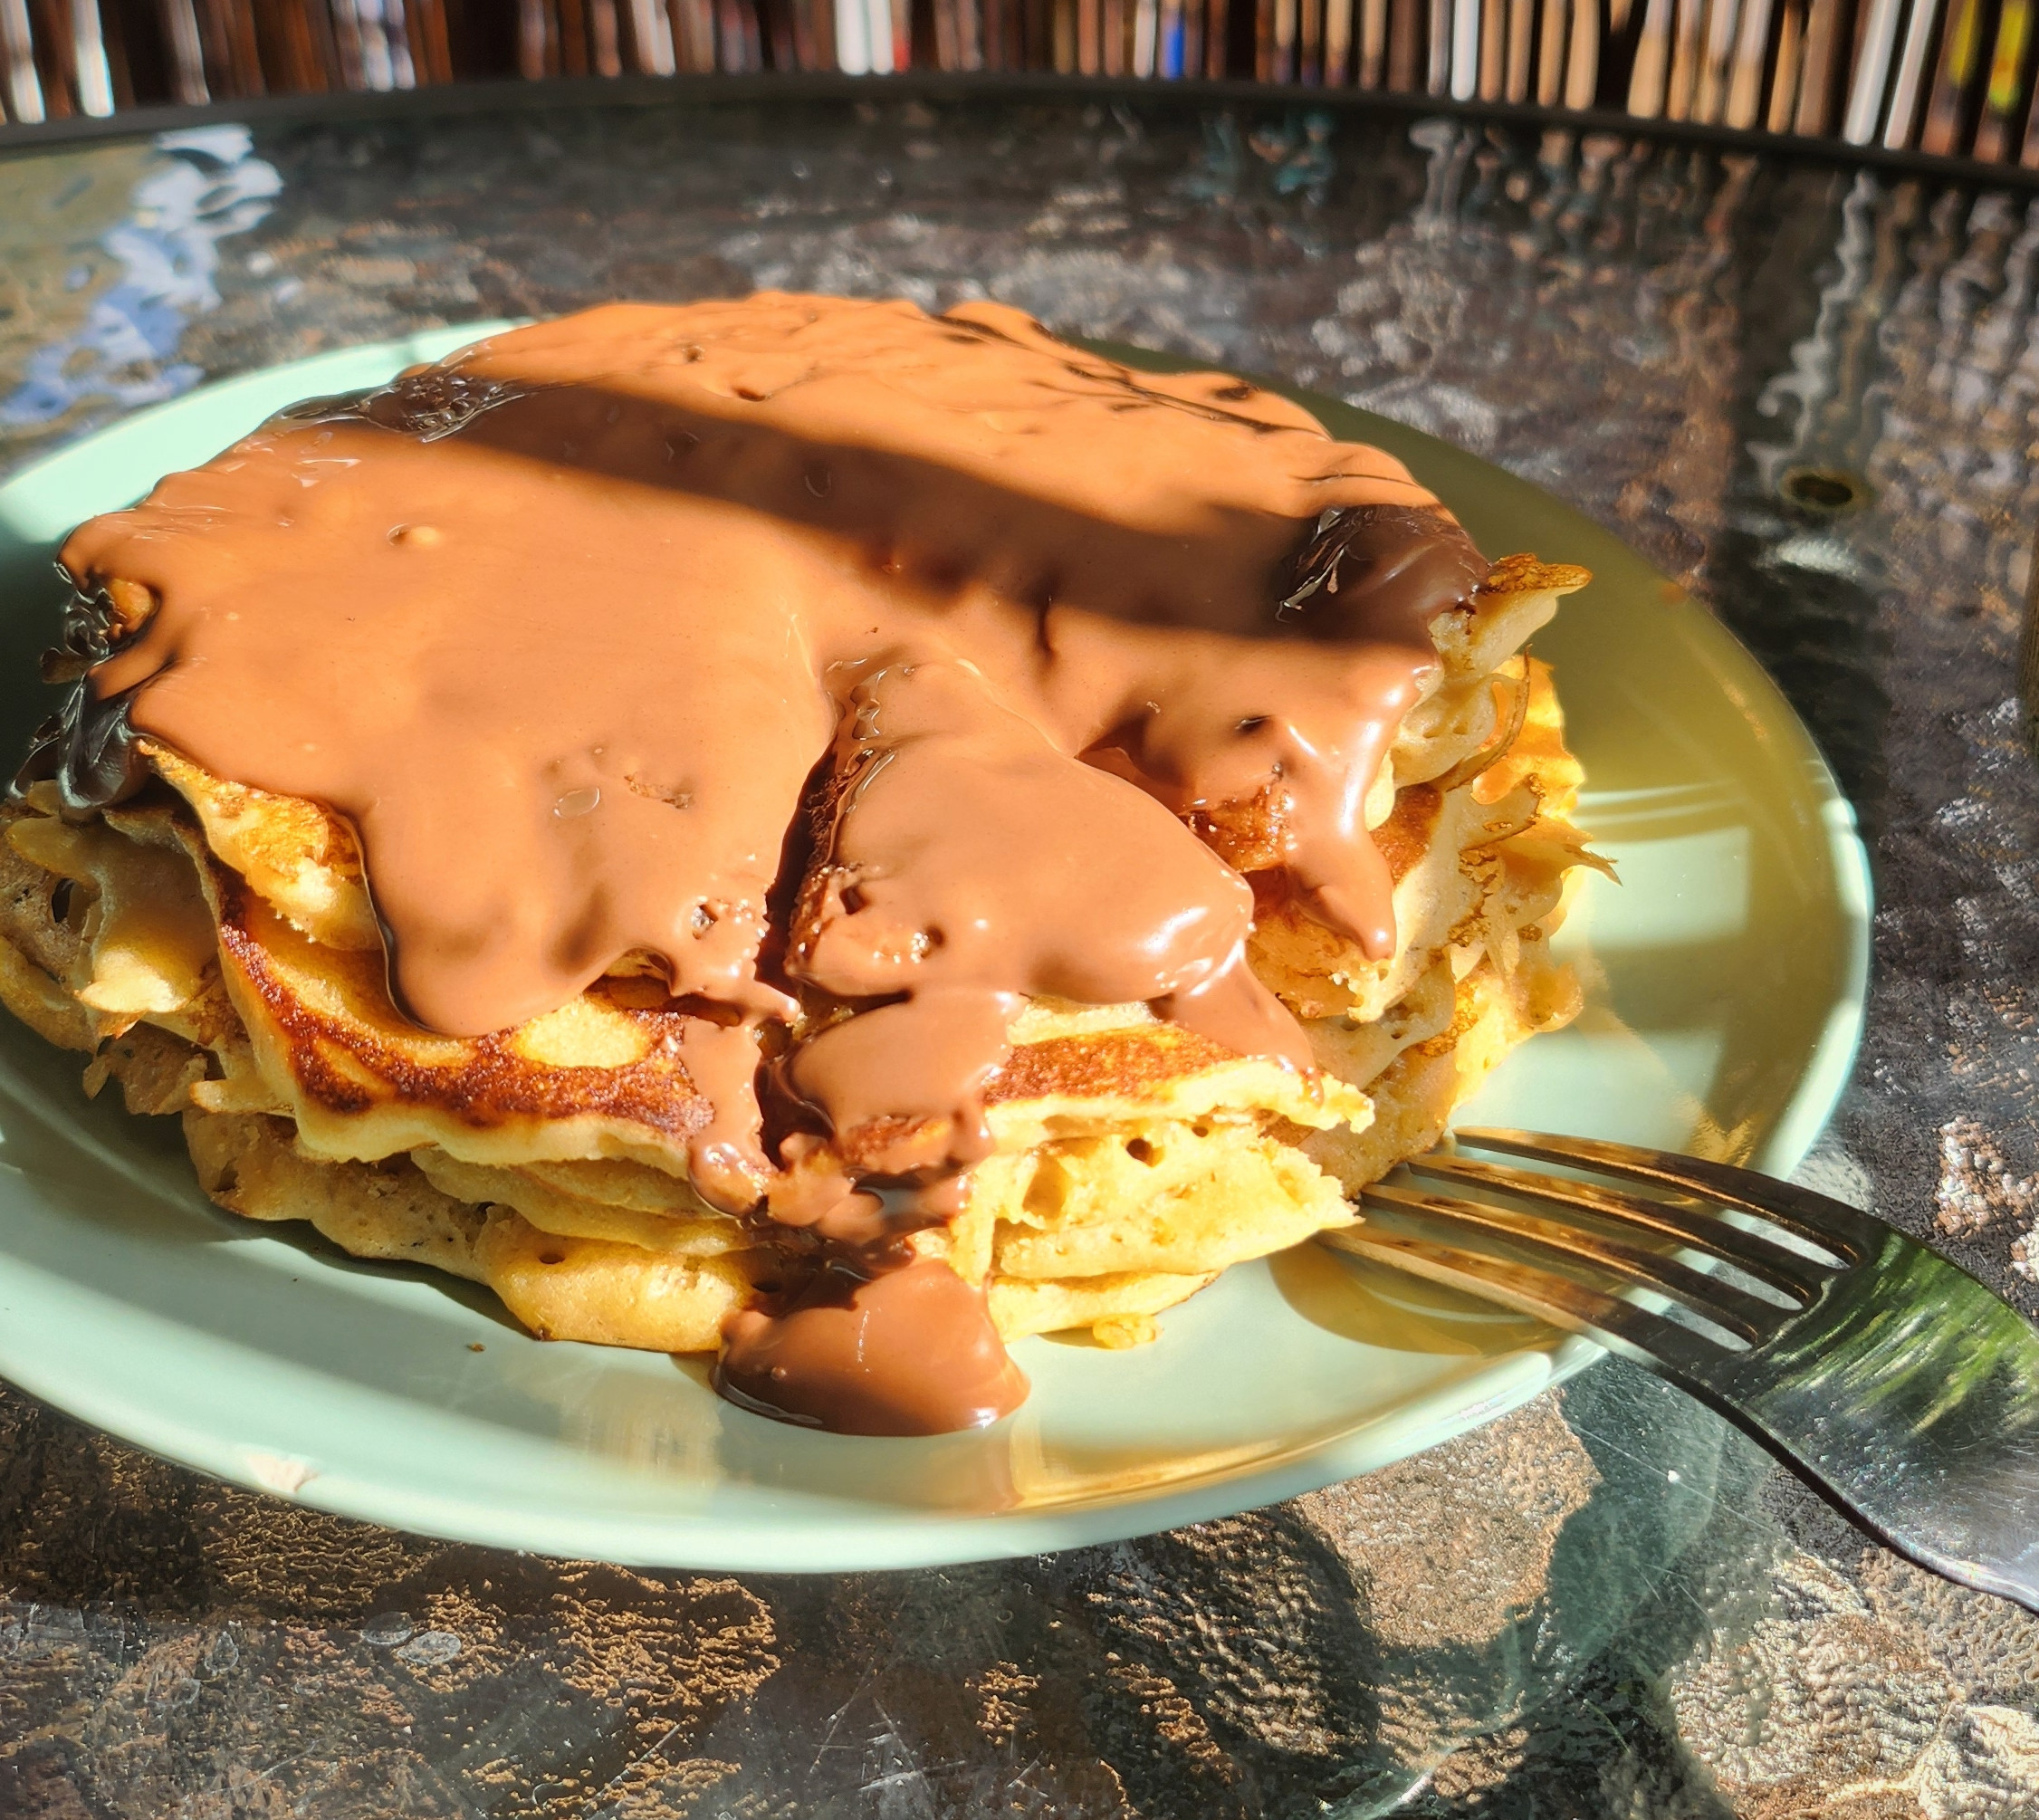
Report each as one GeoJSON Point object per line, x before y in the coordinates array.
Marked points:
{"type": "Point", "coordinates": [1710, 104]}
{"type": "Point", "coordinates": [45, 62]}
{"type": "Point", "coordinates": [1461, 71]}
{"type": "Point", "coordinates": [297, 46]}
{"type": "Point", "coordinates": [1493, 49]}
{"type": "Point", "coordinates": [1170, 47]}
{"type": "Point", "coordinates": [389, 22]}
{"type": "Point", "coordinates": [1791, 54]}
{"type": "Point", "coordinates": [1650, 75]}
{"type": "Point", "coordinates": [373, 32]}
{"type": "Point", "coordinates": [1581, 55]}
{"type": "Point", "coordinates": [431, 40]}
{"type": "Point", "coordinates": [184, 47]}
{"type": "Point", "coordinates": [48, 49]}
{"type": "Point", "coordinates": [1550, 53]}
{"type": "Point", "coordinates": [1900, 121]}
{"type": "Point", "coordinates": [1870, 80]}
{"type": "Point", "coordinates": [89, 68]}
{"type": "Point", "coordinates": [1370, 54]}
{"type": "Point", "coordinates": [1521, 50]}
{"type": "Point", "coordinates": [1743, 106]}
{"type": "Point", "coordinates": [22, 91]}
{"type": "Point", "coordinates": [1951, 77]}
{"type": "Point", "coordinates": [2000, 133]}
{"type": "Point", "coordinates": [125, 28]}
{"type": "Point", "coordinates": [1687, 19]}
{"type": "Point", "coordinates": [654, 49]}
{"type": "Point", "coordinates": [353, 72]}
{"type": "Point", "coordinates": [1338, 42]}
{"type": "Point", "coordinates": [853, 38]}
{"type": "Point", "coordinates": [1960, 67]}
{"type": "Point", "coordinates": [232, 47]}
{"type": "Point", "coordinates": [195, 76]}
{"type": "Point", "coordinates": [683, 34]}
{"type": "Point", "coordinates": [866, 43]}
{"type": "Point", "coordinates": [1688, 38]}
{"type": "Point", "coordinates": [325, 36]}
{"type": "Point", "coordinates": [1408, 31]}
{"type": "Point", "coordinates": [1818, 62]}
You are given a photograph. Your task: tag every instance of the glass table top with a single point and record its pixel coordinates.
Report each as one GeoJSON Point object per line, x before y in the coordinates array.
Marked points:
{"type": "Point", "coordinates": [1807, 391]}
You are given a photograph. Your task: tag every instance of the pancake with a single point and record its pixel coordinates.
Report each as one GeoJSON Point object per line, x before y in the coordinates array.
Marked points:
{"type": "Point", "coordinates": [943, 1063]}
{"type": "Point", "coordinates": [1134, 1162]}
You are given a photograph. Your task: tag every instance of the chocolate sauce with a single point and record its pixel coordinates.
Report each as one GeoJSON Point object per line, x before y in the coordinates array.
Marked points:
{"type": "Point", "coordinates": [87, 747]}
{"type": "Point", "coordinates": [961, 868]}
{"type": "Point", "coordinates": [565, 625]}
{"type": "Point", "coordinates": [830, 1355]}
{"type": "Point", "coordinates": [1381, 572]}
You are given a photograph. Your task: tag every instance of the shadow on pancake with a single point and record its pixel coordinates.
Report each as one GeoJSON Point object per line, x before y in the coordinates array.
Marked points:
{"type": "Point", "coordinates": [927, 525]}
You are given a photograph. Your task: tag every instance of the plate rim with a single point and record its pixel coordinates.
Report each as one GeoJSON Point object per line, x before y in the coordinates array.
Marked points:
{"type": "Point", "coordinates": [699, 1540]}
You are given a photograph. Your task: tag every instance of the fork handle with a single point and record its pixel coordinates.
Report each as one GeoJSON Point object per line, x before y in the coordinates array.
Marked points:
{"type": "Point", "coordinates": [1906, 1390]}
{"type": "Point", "coordinates": [1908, 1394]}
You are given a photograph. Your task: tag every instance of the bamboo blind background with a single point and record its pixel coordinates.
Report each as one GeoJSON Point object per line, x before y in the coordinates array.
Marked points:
{"type": "Point", "coordinates": [1951, 77]}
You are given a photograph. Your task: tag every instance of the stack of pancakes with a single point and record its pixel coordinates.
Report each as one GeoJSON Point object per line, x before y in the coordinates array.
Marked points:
{"type": "Point", "coordinates": [215, 948]}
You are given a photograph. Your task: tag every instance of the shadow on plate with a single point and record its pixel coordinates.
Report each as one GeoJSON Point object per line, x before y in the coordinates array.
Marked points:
{"type": "Point", "coordinates": [1358, 1299]}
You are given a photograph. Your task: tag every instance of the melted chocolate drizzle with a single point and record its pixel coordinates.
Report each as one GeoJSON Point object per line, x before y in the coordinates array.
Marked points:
{"type": "Point", "coordinates": [87, 746]}
{"type": "Point", "coordinates": [1381, 572]}
{"type": "Point", "coordinates": [819, 1355]}
{"type": "Point", "coordinates": [564, 623]}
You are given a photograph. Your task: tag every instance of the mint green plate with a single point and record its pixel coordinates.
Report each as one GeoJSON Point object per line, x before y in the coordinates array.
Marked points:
{"type": "Point", "coordinates": [1726, 984]}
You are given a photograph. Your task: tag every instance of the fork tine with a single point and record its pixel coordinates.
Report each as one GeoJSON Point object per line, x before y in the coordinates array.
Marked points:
{"type": "Point", "coordinates": [1555, 1244]}
{"type": "Point", "coordinates": [1851, 1237]}
{"type": "Point", "coordinates": [1790, 1272]}
{"type": "Point", "coordinates": [1621, 1327]}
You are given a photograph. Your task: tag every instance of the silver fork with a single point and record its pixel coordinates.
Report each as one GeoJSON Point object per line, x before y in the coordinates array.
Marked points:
{"type": "Point", "coordinates": [1889, 1378]}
